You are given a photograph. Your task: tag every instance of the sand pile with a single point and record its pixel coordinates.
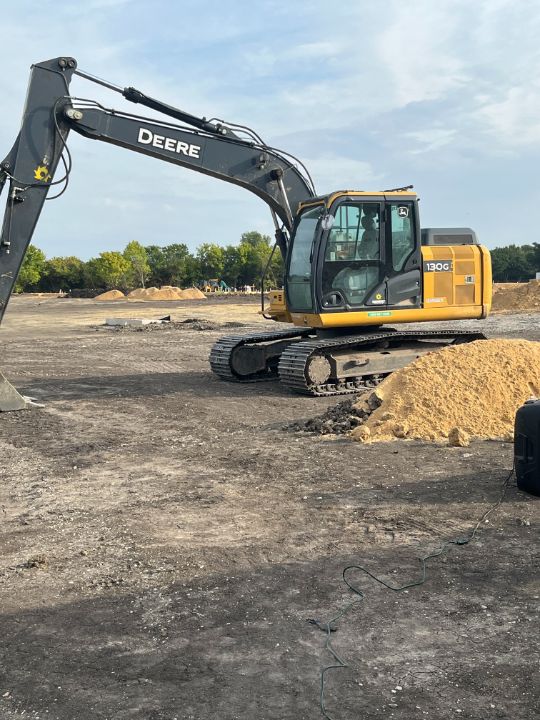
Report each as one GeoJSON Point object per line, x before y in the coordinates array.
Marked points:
{"type": "Point", "coordinates": [517, 296]}
{"type": "Point", "coordinates": [192, 294]}
{"type": "Point", "coordinates": [111, 295]}
{"type": "Point", "coordinates": [458, 393]}
{"type": "Point", "coordinates": [167, 292]}
{"type": "Point", "coordinates": [138, 294]}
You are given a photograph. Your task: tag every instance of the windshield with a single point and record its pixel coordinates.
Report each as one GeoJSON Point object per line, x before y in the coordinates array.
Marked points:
{"type": "Point", "coordinates": [300, 265]}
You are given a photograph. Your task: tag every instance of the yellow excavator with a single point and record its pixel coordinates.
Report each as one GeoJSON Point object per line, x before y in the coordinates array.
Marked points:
{"type": "Point", "coordinates": [356, 262]}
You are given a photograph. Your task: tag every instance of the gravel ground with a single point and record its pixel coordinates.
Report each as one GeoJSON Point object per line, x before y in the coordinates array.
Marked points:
{"type": "Point", "coordinates": [165, 539]}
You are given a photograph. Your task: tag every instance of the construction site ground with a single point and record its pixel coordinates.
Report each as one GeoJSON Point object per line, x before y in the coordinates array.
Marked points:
{"type": "Point", "coordinates": [165, 539]}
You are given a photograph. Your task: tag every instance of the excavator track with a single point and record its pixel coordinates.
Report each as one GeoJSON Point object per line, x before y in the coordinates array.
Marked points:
{"type": "Point", "coordinates": [222, 355]}
{"type": "Point", "coordinates": [295, 360]}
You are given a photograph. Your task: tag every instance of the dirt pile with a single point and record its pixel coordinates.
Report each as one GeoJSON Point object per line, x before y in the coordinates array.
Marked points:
{"type": "Point", "coordinates": [337, 420]}
{"type": "Point", "coordinates": [110, 295]}
{"type": "Point", "coordinates": [167, 292]}
{"type": "Point", "coordinates": [138, 294]}
{"type": "Point", "coordinates": [455, 394]}
{"type": "Point", "coordinates": [192, 294]}
{"type": "Point", "coordinates": [517, 296]}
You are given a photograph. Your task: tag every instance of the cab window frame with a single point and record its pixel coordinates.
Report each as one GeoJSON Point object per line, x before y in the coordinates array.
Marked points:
{"type": "Point", "coordinates": [413, 230]}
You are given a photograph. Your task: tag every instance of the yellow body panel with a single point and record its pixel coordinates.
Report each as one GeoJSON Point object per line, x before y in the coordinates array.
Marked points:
{"type": "Point", "coordinates": [462, 293]}
{"type": "Point", "coordinates": [382, 317]}
{"type": "Point", "coordinates": [277, 310]}
{"type": "Point", "coordinates": [469, 283]}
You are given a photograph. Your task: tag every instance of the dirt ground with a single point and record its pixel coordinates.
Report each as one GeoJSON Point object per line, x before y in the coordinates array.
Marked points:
{"type": "Point", "coordinates": [164, 540]}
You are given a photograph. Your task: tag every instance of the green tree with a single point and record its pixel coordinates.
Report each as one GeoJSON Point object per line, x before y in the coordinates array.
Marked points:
{"type": "Point", "coordinates": [532, 254]}
{"type": "Point", "coordinates": [172, 265]}
{"type": "Point", "coordinates": [276, 274]}
{"type": "Point", "coordinates": [193, 274]}
{"type": "Point", "coordinates": [62, 273]}
{"type": "Point", "coordinates": [234, 260]}
{"type": "Point", "coordinates": [156, 261]}
{"type": "Point", "coordinates": [257, 249]}
{"type": "Point", "coordinates": [255, 239]}
{"type": "Point", "coordinates": [109, 270]}
{"type": "Point", "coordinates": [211, 260]}
{"type": "Point", "coordinates": [139, 270]}
{"type": "Point", "coordinates": [176, 263]}
{"type": "Point", "coordinates": [31, 269]}
{"type": "Point", "coordinates": [514, 263]}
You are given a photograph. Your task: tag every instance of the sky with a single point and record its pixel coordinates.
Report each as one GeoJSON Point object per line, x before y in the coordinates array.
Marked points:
{"type": "Point", "coordinates": [441, 94]}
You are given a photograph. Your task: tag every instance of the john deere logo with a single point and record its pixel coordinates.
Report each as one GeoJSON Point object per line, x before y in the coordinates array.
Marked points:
{"type": "Point", "coordinates": [42, 173]}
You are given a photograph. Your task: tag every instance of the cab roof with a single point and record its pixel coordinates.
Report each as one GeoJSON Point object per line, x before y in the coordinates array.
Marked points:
{"type": "Point", "coordinates": [327, 200]}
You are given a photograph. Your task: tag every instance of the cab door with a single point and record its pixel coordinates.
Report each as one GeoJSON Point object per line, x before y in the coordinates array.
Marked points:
{"type": "Point", "coordinates": [352, 256]}
{"type": "Point", "coordinates": [403, 255]}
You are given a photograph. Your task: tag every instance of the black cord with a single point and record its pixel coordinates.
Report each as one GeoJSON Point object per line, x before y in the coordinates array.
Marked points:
{"type": "Point", "coordinates": [330, 626]}
{"type": "Point", "coordinates": [68, 167]}
{"type": "Point", "coordinates": [63, 190]}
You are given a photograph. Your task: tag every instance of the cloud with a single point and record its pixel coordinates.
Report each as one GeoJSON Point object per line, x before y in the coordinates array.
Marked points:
{"type": "Point", "coordinates": [334, 172]}
{"type": "Point", "coordinates": [419, 52]}
{"type": "Point", "coordinates": [430, 139]}
{"type": "Point", "coordinates": [514, 119]}
{"type": "Point", "coordinates": [364, 97]}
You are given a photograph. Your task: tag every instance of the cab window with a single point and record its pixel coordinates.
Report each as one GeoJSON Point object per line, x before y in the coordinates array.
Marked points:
{"type": "Point", "coordinates": [354, 234]}
{"type": "Point", "coordinates": [352, 258]}
{"type": "Point", "coordinates": [401, 223]}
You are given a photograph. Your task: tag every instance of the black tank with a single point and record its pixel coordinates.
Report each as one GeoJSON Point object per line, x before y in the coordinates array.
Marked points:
{"type": "Point", "coordinates": [527, 447]}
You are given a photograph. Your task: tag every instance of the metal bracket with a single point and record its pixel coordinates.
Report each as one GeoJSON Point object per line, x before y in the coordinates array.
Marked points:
{"type": "Point", "coordinates": [16, 194]}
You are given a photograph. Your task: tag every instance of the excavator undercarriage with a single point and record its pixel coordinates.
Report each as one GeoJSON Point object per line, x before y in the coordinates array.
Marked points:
{"type": "Point", "coordinates": [311, 364]}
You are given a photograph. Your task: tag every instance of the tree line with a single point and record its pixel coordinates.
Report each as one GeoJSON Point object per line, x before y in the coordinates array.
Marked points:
{"type": "Point", "coordinates": [515, 263]}
{"type": "Point", "coordinates": [154, 265]}
{"type": "Point", "coordinates": [237, 265]}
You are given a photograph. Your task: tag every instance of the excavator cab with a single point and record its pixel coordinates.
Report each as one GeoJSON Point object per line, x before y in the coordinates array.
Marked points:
{"type": "Point", "coordinates": [358, 259]}
{"type": "Point", "coordinates": [354, 251]}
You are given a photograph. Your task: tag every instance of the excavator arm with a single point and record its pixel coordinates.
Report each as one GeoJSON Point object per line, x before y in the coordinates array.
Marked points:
{"type": "Point", "coordinates": [30, 166]}
{"type": "Point", "coordinates": [229, 152]}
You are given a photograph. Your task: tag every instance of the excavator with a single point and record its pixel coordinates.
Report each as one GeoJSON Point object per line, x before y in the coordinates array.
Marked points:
{"type": "Point", "coordinates": [356, 262]}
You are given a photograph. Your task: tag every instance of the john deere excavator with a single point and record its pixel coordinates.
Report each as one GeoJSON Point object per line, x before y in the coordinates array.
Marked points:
{"type": "Point", "coordinates": [355, 261]}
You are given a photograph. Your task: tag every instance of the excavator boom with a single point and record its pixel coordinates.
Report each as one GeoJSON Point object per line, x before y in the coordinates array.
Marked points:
{"type": "Point", "coordinates": [231, 153]}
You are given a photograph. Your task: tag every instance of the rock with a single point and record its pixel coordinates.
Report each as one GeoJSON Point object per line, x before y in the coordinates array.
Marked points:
{"type": "Point", "coordinates": [401, 430]}
{"type": "Point", "coordinates": [457, 437]}
{"type": "Point", "coordinates": [374, 401]}
{"type": "Point", "coordinates": [37, 561]}
{"type": "Point", "coordinates": [361, 433]}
